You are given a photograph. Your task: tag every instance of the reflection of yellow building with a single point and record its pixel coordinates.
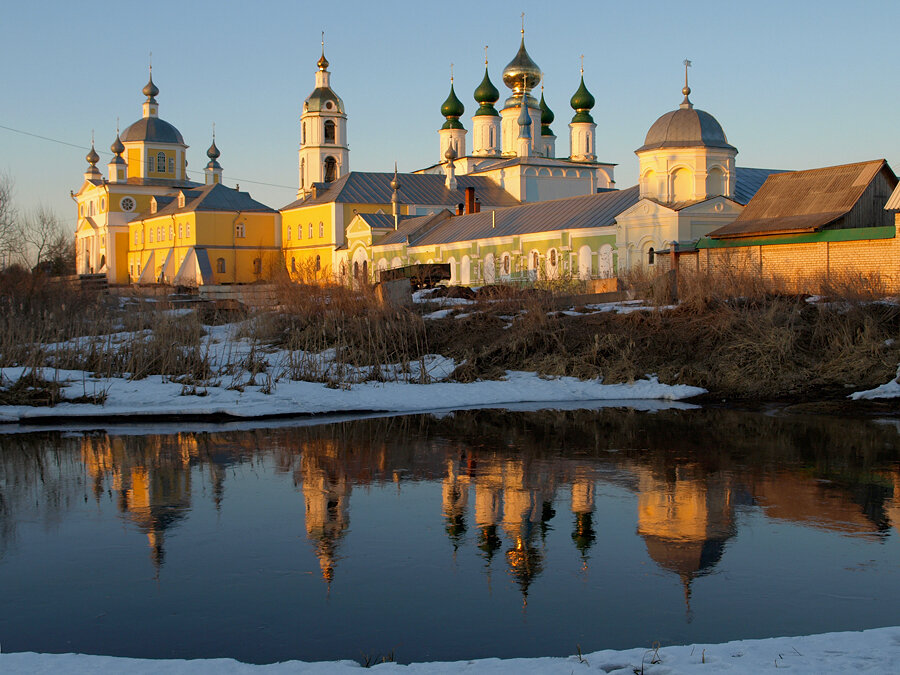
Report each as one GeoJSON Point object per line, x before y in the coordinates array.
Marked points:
{"type": "Point", "coordinates": [583, 508]}
{"type": "Point", "coordinates": [488, 505]}
{"type": "Point", "coordinates": [684, 520]}
{"type": "Point", "coordinates": [326, 492]}
{"type": "Point", "coordinates": [153, 487]}
{"type": "Point", "coordinates": [455, 499]}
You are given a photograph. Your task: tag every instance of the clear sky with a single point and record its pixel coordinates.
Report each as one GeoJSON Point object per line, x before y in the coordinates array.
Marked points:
{"type": "Point", "coordinates": [794, 84]}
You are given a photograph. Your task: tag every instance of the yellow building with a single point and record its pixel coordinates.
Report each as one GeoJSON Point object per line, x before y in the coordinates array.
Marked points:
{"type": "Point", "coordinates": [206, 235]}
{"type": "Point", "coordinates": [148, 161]}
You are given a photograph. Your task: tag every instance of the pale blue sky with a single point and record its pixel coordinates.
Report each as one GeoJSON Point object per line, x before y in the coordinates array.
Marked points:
{"type": "Point", "coordinates": [794, 84]}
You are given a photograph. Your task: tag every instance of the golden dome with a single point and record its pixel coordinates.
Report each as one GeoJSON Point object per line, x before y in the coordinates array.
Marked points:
{"type": "Point", "coordinates": [521, 74]}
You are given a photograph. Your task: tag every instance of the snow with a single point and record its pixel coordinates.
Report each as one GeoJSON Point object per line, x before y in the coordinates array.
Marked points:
{"type": "Point", "coordinates": [160, 396]}
{"type": "Point", "coordinates": [887, 390]}
{"type": "Point", "coordinates": [870, 651]}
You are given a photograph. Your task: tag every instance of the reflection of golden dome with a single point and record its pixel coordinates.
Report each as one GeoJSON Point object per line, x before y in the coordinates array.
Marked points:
{"type": "Point", "coordinates": [521, 74]}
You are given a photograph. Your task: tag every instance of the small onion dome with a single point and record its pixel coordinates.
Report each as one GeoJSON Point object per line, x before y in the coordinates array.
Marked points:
{"type": "Point", "coordinates": [150, 90]}
{"type": "Point", "coordinates": [395, 182]}
{"type": "Point", "coordinates": [486, 95]}
{"type": "Point", "coordinates": [521, 74]}
{"type": "Point", "coordinates": [547, 117]}
{"type": "Point", "coordinates": [524, 121]}
{"type": "Point", "coordinates": [213, 152]}
{"type": "Point", "coordinates": [322, 62]}
{"type": "Point", "coordinates": [117, 147]}
{"type": "Point", "coordinates": [582, 102]}
{"type": "Point", "coordinates": [450, 153]}
{"type": "Point", "coordinates": [452, 109]}
{"type": "Point", "coordinates": [92, 157]}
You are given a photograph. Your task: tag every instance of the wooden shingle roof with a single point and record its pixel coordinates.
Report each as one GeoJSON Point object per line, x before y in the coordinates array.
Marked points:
{"type": "Point", "coordinates": [803, 201]}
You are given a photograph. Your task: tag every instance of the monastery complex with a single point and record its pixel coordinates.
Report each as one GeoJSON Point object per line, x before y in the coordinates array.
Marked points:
{"type": "Point", "coordinates": [505, 201]}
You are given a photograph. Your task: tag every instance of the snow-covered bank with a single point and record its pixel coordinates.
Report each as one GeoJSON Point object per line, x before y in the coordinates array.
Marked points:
{"type": "Point", "coordinates": [158, 396]}
{"type": "Point", "coordinates": [889, 389]}
{"type": "Point", "coordinates": [870, 651]}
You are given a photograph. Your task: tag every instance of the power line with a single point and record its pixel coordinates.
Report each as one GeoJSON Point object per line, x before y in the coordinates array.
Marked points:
{"type": "Point", "coordinates": [190, 171]}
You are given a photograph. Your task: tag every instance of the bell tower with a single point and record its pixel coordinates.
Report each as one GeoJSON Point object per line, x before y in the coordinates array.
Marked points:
{"type": "Point", "coordinates": [324, 154]}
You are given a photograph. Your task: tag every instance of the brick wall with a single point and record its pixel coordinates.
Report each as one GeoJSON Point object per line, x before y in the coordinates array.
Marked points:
{"type": "Point", "coordinates": [810, 268]}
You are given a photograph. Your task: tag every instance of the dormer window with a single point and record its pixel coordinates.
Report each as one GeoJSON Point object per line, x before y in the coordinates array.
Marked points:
{"type": "Point", "coordinates": [153, 205]}
{"type": "Point", "coordinates": [181, 200]}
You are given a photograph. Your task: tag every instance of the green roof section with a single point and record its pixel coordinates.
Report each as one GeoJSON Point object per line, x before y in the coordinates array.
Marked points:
{"type": "Point", "coordinates": [582, 101]}
{"type": "Point", "coordinates": [843, 234]}
{"type": "Point", "coordinates": [452, 109]}
{"type": "Point", "coordinates": [486, 95]}
{"type": "Point", "coordinates": [547, 117]}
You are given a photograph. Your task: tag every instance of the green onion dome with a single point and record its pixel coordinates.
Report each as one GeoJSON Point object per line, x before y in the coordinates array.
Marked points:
{"type": "Point", "coordinates": [582, 102]}
{"type": "Point", "coordinates": [486, 95]}
{"type": "Point", "coordinates": [547, 117]}
{"type": "Point", "coordinates": [452, 109]}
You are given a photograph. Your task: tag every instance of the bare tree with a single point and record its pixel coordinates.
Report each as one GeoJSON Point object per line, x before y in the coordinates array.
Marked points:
{"type": "Point", "coordinates": [10, 232]}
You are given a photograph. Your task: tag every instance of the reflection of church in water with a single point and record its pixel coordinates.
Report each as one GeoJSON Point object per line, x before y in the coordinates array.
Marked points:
{"type": "Point", "coordinates": [496, 502]}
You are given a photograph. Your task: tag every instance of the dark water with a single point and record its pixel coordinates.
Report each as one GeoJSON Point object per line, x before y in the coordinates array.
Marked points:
{"type": "Point", "coordinates": [480, 533]}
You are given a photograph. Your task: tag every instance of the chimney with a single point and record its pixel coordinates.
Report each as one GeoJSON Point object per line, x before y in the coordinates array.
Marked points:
{"type": "Point", "coordinates": [470, 200]}
{"type": "Point", "coordinates": [477, 206]}
{"type": "Point", "coordinates": [460, 209]}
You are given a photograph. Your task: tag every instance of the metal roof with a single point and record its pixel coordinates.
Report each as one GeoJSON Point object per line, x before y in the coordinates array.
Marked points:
{"type": "Point", "coordinates": [804, 201]}
{"type": "Point", "coordinates": [557, 162]}
{"type": "Point", "coordinates": [413, 229]}
{"type": "Point", "coordinates": [684, 128]}
{"type": "Point", "coordinates": [152, 129]}
{"type": "Point", "coordinates": [215, 197]}
{"type": "Point", "coordinates": [597, 210]}
{"type": "Point", "coordinates": [365, 187]}
{"type": "Point", "coordinates": [379, 219]}
{"type": "Point", "coordinates": [749, 181]}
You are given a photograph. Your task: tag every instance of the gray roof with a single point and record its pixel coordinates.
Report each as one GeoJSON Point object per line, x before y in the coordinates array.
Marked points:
{"type": "Point", "coordinates": [684, 128]}
{"type": "Point", "coordinates": [540, 161]}
{"type": "Point", "coordinates": [152, 129]}
{"type": "Point", "coordinates": [364, 187]}
{"type": "Point", "coordinates": [380, 219]}
{"type": "Point", "coordinates": [804, 201]}
{"type": "Point", "coordinates": [749, 181]}
{"type": "Point", "coordinates": [412, 230]}
{"type": "Point", "coordinates": [215, 197]}
{"type": "Point", "coordinates": [597, 210]}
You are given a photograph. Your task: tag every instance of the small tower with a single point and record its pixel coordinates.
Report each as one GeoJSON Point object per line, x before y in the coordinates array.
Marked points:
{"type": "Point", "coordinates": [395, 198]}
{"type": "Point", "coordinates": [213, 169]}
{"type": "Point", "coordinates": [92, 173]}
{"type": "Point", "coordinates": [117, 168]}
{"type": "Point", "coordinates": [582, 129]}
{"type": "Point", "coordinates": [452, 133]}
{"type": "Point", "coordinates": [486, 121]}
{"type": "Point", "coordinates": [150, 90]}
{"type": "Point", "coordinates": [450, 168]}
{"type": "Point", "coordinates": [523, 147]}
{"type": "Point", "coordinates": [324, 154]}
{"type": "Point", "coordinates": [548, 138]}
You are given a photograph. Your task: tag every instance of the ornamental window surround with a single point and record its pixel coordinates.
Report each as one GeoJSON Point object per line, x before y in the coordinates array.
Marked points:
{"type": "Point", "coordinates": [321, 229]}
{"type": "Point", "coordinates": [220, 265]}
{"type": "Point", "coordinates": [239, 231]}
{"type": "Point", "coordinates": [310, 231]}
{"type": "Point", "coordinates": [160, 162]}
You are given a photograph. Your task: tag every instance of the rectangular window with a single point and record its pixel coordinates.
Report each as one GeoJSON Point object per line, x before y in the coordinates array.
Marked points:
{"type": "Point", "coordinates": [321, 229]}
{"type": "Point", "coordinates": [239, 231]}
{"type": "Point", "coordinates": [149, 163]}
{"type": "Point", "coordinates": [171, 232]}
{"type": "Point", "coordinates": [310, 230]}
{"type": "Point", "coordinates": [171, 165]}
{"type": "Point", "coordinates": [187, 230]}
{"type": "Point", "coordinates": [135, 237]}
{"type": "Point", "coordinates": [181, 230]}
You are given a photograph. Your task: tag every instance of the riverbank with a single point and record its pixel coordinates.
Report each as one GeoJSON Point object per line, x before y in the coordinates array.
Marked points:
{"type": "Point", "coordinates": [334, 350]}
{"type": "Point", "coordinates": [869, 651]}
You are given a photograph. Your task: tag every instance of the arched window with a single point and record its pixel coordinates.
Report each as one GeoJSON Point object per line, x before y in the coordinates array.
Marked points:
{"type": "Point", "coordinates": [365, 270]}
{"type": "Point", "coordinates": [187, 229]}
{"type": "Point", "coordinates": [293, 264]}
{"type": "Point", "coordinates": [553, 258]}
{"type": "Point", "coordinates": [587, 144]}
{"type": "Point", "coordinates": [318, 263]}
{"type": "Point", "coordinates": [171, 165]}
{"type": "Point", "coordinates": [321, 229]}
{"type": "Point", "coordinates": [682, 186]}
{"type": "Point", "coordinates": [135, 237]}
{"type": "Point", "coordinates": [535, 260]}
{"type": "Point", "coordinates": [715, 182]}
{"type": "Point", "coordinates": [161, 162]}
{"type": "Point", "coordinates": [171, 232]}
{"type": "Point", "coordinates": [302, 142]}
{"type": "Point", "coordinates": [181, 230]}
{"type": "Point", "coordinates": [91, 209]}
{"type": "Point", "coordinates": [257, 266]}
{"type": "Point", "coordinates": [330, 169]}
{"type": "Point", "coordinates": [220, 265]}
{"type": "Point", "coordinates": [310, 230]}
{"type": "Point", "coordinates": [506, 263]}
{"type": "Point", "coordinates": [356, 269]}
{"type": "Point", "coordinates": [151, 235]}
{"type": "Point", "coordinates": [651, 256]}
{"type": "Point", "coordinates": [329, 131]}
{"type": "Point", "coordinates": [288, 232]}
